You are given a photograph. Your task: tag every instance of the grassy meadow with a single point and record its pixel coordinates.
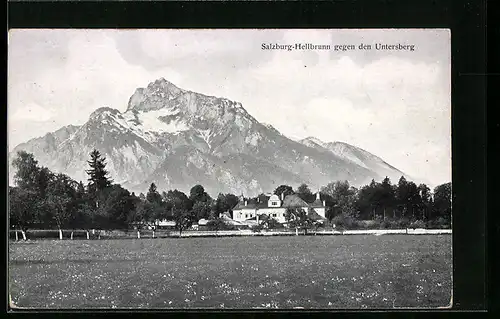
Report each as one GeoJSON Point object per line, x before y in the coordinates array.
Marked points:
{"type": "Point", "coordinates": [310, 272]}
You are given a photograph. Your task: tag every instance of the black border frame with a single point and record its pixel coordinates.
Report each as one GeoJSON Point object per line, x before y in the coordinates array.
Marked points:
{"type": "Point", "coordinates": [467, 21]}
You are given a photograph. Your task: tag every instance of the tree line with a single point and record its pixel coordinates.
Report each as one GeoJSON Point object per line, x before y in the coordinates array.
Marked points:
{"type": "Point", "coordinates": [42, 199]}
{"type": "Point", "coordinates": [384, 204]}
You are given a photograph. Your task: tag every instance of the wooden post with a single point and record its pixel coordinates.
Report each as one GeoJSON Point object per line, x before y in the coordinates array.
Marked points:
{"type": "Point", "coordinates": [138, 234]}
{"type": "Point", "coordinates": [24, 234]}
{"type": "Point", "coordinates": [60, 234]}
{"type": "Point", "coordinates": [88, 237]}
{"type": "Point", "coordinates": [153, 233]}
{"type": "Point", "coordinates": [71, 235]}
{"type": "Point", "coordinates": [17, 237]}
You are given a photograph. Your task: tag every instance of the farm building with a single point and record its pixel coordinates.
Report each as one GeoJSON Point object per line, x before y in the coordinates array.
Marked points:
{"type": "Point", "coordinates": [165, 224]}
{"type": "Point", "coordinates": [275, 207]}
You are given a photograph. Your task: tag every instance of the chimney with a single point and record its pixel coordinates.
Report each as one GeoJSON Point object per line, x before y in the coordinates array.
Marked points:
{"type": "Point", "coordinates": [317, 196]}
{"type": "Point", "coordinates": [324, 203]}
{"type": "Point", "coordinates": [282, 196]}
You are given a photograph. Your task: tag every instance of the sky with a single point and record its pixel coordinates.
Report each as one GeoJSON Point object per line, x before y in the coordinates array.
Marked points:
{"type": "Point", "coordinates": [394, 104]}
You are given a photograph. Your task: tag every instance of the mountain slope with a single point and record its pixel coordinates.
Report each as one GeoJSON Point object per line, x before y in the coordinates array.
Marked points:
{"type": "Point", "coordinates": [356, 155]}
{"type": "Point", "coordinates": [178, 138]}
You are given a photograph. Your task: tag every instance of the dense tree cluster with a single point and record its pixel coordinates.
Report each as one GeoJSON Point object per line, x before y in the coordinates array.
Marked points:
{"type": "Point", "coordinates": [46, 200]}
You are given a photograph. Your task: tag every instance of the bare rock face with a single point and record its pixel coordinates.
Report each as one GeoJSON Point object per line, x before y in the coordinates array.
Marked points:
{"type": "Point", "coordinates": [356, 155]}
{"type": "Point", "coordinates": [178, 138]}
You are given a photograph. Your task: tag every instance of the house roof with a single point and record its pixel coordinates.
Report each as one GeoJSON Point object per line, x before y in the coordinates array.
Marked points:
{"type": "Point", "coordinates": [251, 204]}
{"type": "Point", "coordinates": [289, 201]}
{"type": "Point", "coordinates": [317, 203]}
{"type": "Point", "coordinates": [294, 201]}
{"type": "Point", "coordinates": [274, 197]}
{"type": "Point", "coordinates": [241, 205]}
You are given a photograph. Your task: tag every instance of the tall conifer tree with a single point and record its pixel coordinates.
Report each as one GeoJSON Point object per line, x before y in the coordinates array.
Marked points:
{"type": "Point", "coordinates": [98, 175]}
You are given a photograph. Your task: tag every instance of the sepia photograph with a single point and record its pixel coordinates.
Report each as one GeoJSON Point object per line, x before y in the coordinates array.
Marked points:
{"type": "Point", "coordinates": [244, 169]}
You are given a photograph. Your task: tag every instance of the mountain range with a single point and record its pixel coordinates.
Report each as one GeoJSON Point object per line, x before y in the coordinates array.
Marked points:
{"type": "Point", "coordinates": [178, 138]}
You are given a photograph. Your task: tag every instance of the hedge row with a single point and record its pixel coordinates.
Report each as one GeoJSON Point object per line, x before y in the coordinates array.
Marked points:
{"type": "Point", "coordinates": [82, 234]}
{"type": "Point", "coordinates": [344, 222]}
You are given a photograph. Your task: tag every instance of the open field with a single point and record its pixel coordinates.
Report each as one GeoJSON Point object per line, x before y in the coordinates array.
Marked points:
{"type": "Point", "coordinates": [359, 271]}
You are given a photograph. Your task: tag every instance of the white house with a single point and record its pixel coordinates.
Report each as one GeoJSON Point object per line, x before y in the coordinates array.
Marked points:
{"type": "Point", "coordinates": [165, 223]}
{"type": "Point", "coordinates": [275, 207]}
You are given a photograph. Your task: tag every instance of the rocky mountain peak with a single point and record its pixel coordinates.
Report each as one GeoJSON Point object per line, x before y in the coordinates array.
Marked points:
{"type": "Point", "coordinates": [102, 112]}
{"type": "Point", "coordinates": [168, 103]}
{"type": "Point", "coordinates": [156, 95]}
{"type": "Point", "coordinates": [312, 142]}
{"type": "Point", "coordinates": [178, 138]}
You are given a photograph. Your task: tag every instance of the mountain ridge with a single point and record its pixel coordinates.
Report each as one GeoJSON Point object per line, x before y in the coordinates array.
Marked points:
{"type": "Point", "coordinates": [177, 138]}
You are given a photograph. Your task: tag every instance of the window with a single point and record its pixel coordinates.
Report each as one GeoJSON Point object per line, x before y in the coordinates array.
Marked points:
{"type": "Point", "coordinates": [246, 215]}
{"type": "Point", "coordinates": [274, 215]}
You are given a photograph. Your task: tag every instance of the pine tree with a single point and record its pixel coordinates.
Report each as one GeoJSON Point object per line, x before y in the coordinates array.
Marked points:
{"type": "Point", "coordinates": [156, 203]}
{"type": "Point", "coordinates": [98, 175]}
{"type": "Point", "coordinates": [387, 196]}
{"type": "Point", "coordinates": [153, 196]}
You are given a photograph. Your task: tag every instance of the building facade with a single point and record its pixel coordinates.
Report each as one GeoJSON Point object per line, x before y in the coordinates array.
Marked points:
{"type": "Point", "coordinates": [275, 207]}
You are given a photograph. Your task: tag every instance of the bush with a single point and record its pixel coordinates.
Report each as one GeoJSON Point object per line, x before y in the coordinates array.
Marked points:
{"type": "Point", "coordinates": [403, 223]}
{"type": "Point", "coordinates": [417, 224]}
{"type": "Point", "coordinates": [344, 221]}
{"type": "Point", "coordinates": [439, 223]}
{"type": "Point", "coordinates": [387, 224]}
{"type": "Point", "coordinates": [395, 224]}
{"type": "Point", "coordinates": [219, 224]}
{"type": "Point", "coordinates": [375, 224]}
{"type": "Point", "coordinates": [257, 228]}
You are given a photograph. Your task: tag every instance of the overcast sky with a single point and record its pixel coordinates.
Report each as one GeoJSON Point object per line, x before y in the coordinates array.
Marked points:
{"type": "Point", "coordinates": [395, 104]}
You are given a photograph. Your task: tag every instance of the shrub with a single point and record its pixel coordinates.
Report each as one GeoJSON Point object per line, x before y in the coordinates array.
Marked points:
{"type": "Point", "coordinates": [417, 224]}
{"type": "Point", "coordinates": [394, 223]}
{"type": "Point", "coordinates": [403, 223]}
{"type": "Point", "coordinates": [344, 221]}
{"type": "Point", "coordinates": [376, 224]}
{"type": "Point", "coordinates": [257, 228]}
{"type": "Point", "coordinates": [219, 224]}
{"type": "Point", "coordinates": [438, 223]}
{"type": "Point", "coordinates": [387, 224]}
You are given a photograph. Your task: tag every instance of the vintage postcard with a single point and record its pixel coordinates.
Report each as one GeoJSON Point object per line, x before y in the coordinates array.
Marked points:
{"type": "Point", "coordinates": [229, 169]}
